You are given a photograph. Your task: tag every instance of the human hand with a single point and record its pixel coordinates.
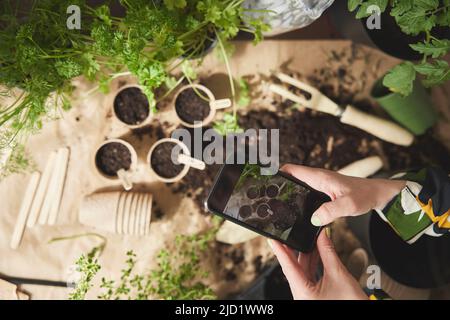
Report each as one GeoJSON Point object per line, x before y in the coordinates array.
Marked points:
{"type": "Point", "coordinates": [350, 196]}
{"type": "Point", "coordinates": [336, 282]}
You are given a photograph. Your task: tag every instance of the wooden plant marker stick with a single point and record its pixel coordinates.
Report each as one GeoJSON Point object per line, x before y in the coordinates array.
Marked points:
{"type": "Point", "coordinates": [124, 177]}
{"type": "Point", "coordinates": [362, 168]}
{"type": "Point", "coordinates": [191, 162]}
{"type": "Point", "coordinates": [220, 104]}
{"type": "Point", "coordinates": [60, 177]}
{"type": "Point", "coordinates": [51, 189]}
{"type": "Point", "coordinates": [25, 210]}
{"type": "Point", "coordinates": [41, 191]}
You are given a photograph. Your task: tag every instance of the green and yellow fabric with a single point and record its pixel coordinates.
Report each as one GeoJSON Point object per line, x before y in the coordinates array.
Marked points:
{"type": "Point", "coordinates": [422, 207]}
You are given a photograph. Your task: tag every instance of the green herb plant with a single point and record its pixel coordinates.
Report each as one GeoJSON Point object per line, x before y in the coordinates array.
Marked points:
{"type": "Point", "coordinates": [40, 55]}
{"type": "Point", "coordinates": [251, 171]}
{"type": "Point", "coordinates": [179, 273]}
{"type": "Point", "coordinates": [229, 123]}
{"type": "Point", "coordinates": [415, 18]}
{"type": "Point", "coordinates": [287, 190]}
{"type": "Point", "coordinates": [87, 265]}
{"type": "Point", "coordinates": [18, 161]}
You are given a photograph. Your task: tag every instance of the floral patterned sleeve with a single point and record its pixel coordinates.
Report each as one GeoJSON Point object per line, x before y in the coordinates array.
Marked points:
{"type": "Point", "coordinates": [422, 207]}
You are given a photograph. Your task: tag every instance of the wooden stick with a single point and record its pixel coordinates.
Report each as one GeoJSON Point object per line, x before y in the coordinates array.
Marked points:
{"type": "Point", "coordinates": [51, 190]}
{"type": "Point", "coordinates": [41, 191]}
{"type": "Point", "coordinates": [60, 178]}
{"type": "Point", "coordinates": [124, 177]}
{"type": "Point", "coordinates": [25, 210]}
{"type": "Point", "coordinates": [220, 104]}
{"type": "Point", "coordinates": [191, 162]}
{"type": "Point", "coordinates": [362, 168]}
{"type": "Point", "coordinates": [379, 127]}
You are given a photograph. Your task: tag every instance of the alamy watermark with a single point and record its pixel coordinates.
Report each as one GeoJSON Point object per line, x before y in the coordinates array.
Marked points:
{"type": "Point", "coordinates": [251, 146]}
{"type": "Point", "coordinates": [73, 21]}
{"type": "Point", "coordinates": [374, 278]}
{"type": "Point", "coordinates": [374, 20]}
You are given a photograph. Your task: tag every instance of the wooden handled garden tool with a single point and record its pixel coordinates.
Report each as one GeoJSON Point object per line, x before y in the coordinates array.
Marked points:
{"type": "Point", "coordinates": [381, 128]}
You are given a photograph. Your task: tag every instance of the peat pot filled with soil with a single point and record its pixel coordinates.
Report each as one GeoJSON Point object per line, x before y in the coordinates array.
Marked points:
{"type": "Point", "coordinates": [131, 106]}
{"type": "Point", "coordinates": [162, 165]}
{"type": "Point", "coordinates": [195, 105]}
{"type": "Point", "coordinates": [115, 155]}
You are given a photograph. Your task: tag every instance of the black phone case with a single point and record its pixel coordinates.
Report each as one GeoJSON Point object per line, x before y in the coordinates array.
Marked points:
{"type": "Point", "coordinates": [227, 217]}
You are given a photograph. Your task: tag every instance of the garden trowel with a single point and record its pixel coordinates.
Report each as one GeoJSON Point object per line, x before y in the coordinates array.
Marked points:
{"type": "Point", "coordinates": [379, 127]}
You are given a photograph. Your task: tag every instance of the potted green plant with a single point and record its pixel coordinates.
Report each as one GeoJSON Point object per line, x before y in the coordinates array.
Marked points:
{"type": "Point", "coordinates": [415, 18]}
{"type": "Point", "coordinates": [416, 31]}
{"type": "Point", "coordinates": [414, 111]}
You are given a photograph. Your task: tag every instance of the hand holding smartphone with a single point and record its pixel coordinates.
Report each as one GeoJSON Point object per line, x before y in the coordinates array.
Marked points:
{"type": "Point", "coordinates": [277, 206]}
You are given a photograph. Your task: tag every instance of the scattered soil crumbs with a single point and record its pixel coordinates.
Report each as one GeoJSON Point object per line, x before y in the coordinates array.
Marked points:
{"type": "Point", "coordinates": [320, 140]}
{"type": "Point", "coordinates": [157, 131]}
{"type": "Point", "coordinates": [157, 213]}
{"type": "Point", "coordinates": [230, 260]}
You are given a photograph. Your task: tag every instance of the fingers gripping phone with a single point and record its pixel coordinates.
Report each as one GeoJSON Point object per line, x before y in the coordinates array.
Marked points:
{"type": "Point", "coordinates": [277, 206]}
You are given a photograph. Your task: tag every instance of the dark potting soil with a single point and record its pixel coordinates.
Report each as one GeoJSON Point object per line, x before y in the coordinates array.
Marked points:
{"type": "Point", "coordinates": [320, 140]}
{"type": "Point", "coordinates": [162, 163]}
{"type": "Point", "coordinates": [112, 157]}
{"type": "Point", "coordinates": [131, 106]}
{"type": "Point", "coordinates": [190, 107]}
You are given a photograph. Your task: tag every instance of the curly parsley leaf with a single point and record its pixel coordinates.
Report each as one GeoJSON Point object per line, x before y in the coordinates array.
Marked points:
{"type": "Point", "coordinates": [227, 125]}
{"type": "Point", "coordinates": [173, 4]}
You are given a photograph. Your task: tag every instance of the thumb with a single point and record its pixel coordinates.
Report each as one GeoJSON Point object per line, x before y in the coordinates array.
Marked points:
{"type": "Point", "coordinates": [330, 211]}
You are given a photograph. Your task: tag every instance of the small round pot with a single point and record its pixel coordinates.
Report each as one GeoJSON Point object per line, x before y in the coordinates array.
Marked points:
{"type": "Point", "coordinates": [214, 105]}
{"type": "Point", "coordinates": [112, 103]}
{"type": "Point", "coordinates": [182, 173]}
{"type": "Point", "coordinates": [134, 159]}
{"type": "Point", "coordinates": [415, 112]}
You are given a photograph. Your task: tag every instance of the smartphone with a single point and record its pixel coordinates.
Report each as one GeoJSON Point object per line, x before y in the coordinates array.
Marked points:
{"type": "Point", "coordinates": [277, 206]}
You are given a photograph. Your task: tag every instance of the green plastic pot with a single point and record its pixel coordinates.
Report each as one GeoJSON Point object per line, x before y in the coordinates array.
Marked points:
{"type": "Point", "coordinates": [415, 112]}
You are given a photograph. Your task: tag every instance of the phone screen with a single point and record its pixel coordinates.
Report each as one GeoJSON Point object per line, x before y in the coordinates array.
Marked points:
{"type": "Point", "coordinates": [278, 206]}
